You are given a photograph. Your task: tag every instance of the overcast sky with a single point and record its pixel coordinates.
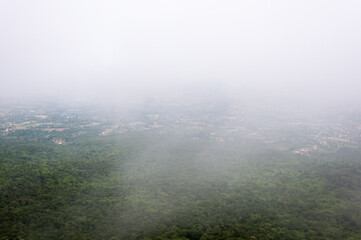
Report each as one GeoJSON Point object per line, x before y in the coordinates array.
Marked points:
{"type": "Point", "coordinates": [277, 49]}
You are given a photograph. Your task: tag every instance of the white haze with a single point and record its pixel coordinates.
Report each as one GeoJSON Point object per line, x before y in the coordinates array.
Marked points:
{"type": "Point", "coordinates": [295, 52]}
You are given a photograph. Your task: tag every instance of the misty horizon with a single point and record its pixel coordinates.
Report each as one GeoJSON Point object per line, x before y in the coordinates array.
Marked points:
{"type": "Point", "coordinates": [180, 120]}
{"type": "Point", "coordinates": [301, 53]}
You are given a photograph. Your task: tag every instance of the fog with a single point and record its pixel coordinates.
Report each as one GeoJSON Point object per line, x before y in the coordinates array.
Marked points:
{"type": "Point", "coordinates": [302, 53]}
{"type": "Point", "coordinates": [173, 119]}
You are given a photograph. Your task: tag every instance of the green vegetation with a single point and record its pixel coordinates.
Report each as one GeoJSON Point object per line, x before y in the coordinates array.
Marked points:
{"type": "Point", "coordinates": [154, 186]}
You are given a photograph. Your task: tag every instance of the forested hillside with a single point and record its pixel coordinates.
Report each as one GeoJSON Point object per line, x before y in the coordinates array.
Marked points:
{"type": "Point", "coordinates": [180, 120]}
{"type": "Point", "coordinates": [156, 186]}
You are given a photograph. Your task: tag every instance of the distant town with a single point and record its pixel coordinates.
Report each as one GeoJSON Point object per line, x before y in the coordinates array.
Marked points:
{"type": "Point", "coordinates": [285, 131]}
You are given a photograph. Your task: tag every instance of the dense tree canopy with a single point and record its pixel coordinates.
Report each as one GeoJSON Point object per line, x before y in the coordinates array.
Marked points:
{"type": "Point", "coordinates": [132, 187]}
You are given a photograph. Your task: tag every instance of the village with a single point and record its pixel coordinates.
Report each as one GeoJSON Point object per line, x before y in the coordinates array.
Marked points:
{"type": "Point", "coordinates": [304, 136]}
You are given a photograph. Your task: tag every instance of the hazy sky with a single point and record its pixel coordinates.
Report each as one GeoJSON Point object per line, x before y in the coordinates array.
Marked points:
{"type": "Point", "coordinates": [276, 49]}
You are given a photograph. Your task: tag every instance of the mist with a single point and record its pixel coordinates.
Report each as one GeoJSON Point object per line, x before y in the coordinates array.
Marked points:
{"type": "Point", "coordinates": [302, 53]}
{"type": "Point", "coordinates": [192, 120]}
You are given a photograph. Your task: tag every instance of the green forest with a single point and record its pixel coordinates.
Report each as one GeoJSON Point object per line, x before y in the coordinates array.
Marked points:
{"type": "Point", "coordinates": [159, 186]}
{"type": "Point", "coordinates": [180, 120]}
